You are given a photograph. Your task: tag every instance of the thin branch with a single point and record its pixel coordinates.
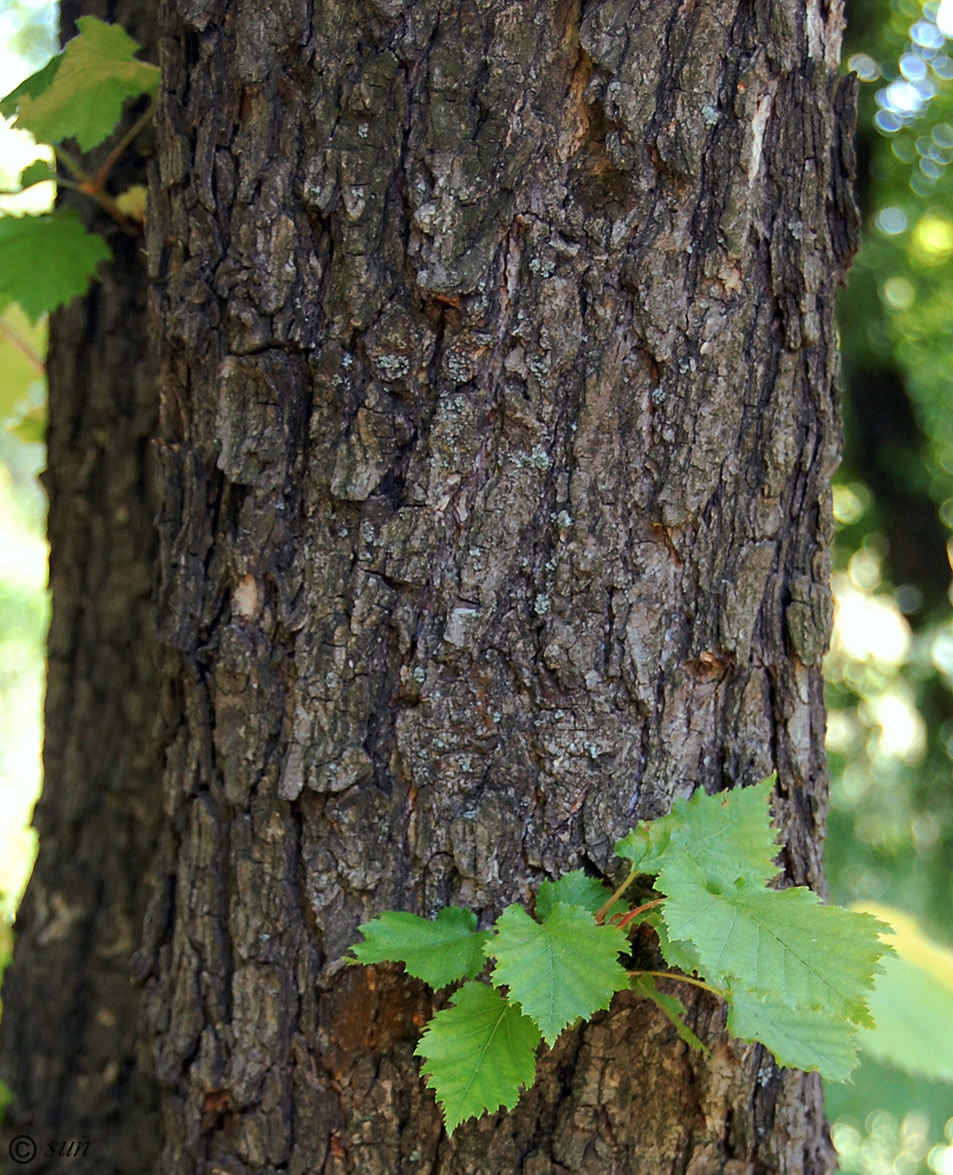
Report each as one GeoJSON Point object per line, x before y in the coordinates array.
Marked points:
{"type": "Point", "coordinates": [109, 162]}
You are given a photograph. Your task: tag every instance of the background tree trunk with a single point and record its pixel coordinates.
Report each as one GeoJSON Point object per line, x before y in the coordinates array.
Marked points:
{"type": "Point", "coordinates": [496, 369]}
{"type": "Point", "coordinates": [69, 1049]}
{"type": "Point", "coordinates": [497, 423]}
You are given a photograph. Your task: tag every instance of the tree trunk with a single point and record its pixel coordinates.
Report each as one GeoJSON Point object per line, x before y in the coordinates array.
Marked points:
{"type": "Point", "coordinates": [70, 1049]}
{"type": "Point", "coordinates": [497, 421]}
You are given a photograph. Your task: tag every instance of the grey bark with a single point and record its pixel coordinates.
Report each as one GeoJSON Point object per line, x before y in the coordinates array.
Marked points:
{"type": "Point", "coordinates": [69, 1047]}
{"type": "Point", "coordinates": [496, 365]}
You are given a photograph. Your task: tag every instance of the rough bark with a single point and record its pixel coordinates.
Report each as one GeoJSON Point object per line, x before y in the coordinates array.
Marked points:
{"type": "Point", "coordinates": [69, 1049]}
{"type": "Point", "coordinates": [497, 424]}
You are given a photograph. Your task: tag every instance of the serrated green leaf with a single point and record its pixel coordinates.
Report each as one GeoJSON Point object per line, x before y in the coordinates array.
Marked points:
{"type": "Point", "coordinates": [438, 952]}
{"type": "Point", "coordinates": [572, 889]}
{"type": "Point", "coordinates": [912, 1002]}
{"type": "Point", "coordinates": [727, 836]}
{"type": "Point", "coordinates": [559, 970]}
{"type": "Point", "coordinates": [478, 1054]}
{"type": "Point", "coordinates": [38, 172]}
{"type": "Point", "coordinates": [671, 1006]}
{"type": "Point", "coordinates": [643, 848]}
{"type": "Point", "coordinates": [677, 954]}
{"type": "Point", "coordinates": [812, 1039]}
{"type": "Point", "coordinates": [32, 87]}
{"type": "Point", "coordinates": [79, 94]}
{"type": "Point", "coordinates": [46, 261]}
{"type": "Point", "coordinates": [779, 942]}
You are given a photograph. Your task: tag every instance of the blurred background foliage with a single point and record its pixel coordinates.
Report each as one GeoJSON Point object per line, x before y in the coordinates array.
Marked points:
{"type": "Point", "coordinates": [890, 670]}
{"type": "Point", "coordinates": [27, 37]}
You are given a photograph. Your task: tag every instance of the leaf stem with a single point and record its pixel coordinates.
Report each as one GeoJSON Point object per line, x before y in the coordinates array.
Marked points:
{"type": "Point", "coordinates": [682, 979]}
{"type": "Point", "coordinates": [109, 206]}
{"type": "Point", "coordinates": [73, 166]}
{"type": "Point", "coordinates": [109, 162]}
{"type": "Point", "coordinates": [89, 187]}
{"type": "Point", "coordinates": [627, 918]}
{"type": "Point", "coordinates": [601, 913]}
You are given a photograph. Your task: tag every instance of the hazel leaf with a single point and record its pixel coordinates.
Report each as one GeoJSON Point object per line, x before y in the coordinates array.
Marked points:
{"type": "Point", "coordinates": [478, 1054]}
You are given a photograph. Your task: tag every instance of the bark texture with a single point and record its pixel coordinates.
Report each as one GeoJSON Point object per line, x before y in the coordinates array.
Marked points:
{"type": "Point", "coordinates": [69, 1046]}
{"type": "Point", "coordinates": [497, 422]}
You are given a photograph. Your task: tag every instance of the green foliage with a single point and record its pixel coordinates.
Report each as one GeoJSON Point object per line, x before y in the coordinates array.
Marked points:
{"type": "Point", "coordinates": [676, 953]}
{"type": "Point", "coordinates": [891, 833]}
{"type": "Point", "coordinates": [708, 834]}
{"type": "Point", "coordinates": [478, 1054]}
{"type": "Point", "coordinates": [768, 940]}
{"type": "Point", "coordinates": [573, 889]}
{"type": "Point", "coordinates": [47, 260]}
{"type": "Point", "coordinates": [561, 970]}
{"type": "Point", "coordinates": [439, 952]}
{"type": "Point", "coordinates": [800, 1037]}
{"type": "Point", "coordinates": [38, 172]}
{"type": "Point", "coordinates": [912, 1003]}
{"type": "Point", "coordinates": [795, 974]}
{"type": "Point", "coordinates": [80, 92]}
{"type": "Point", "coordinates": [890, 829]}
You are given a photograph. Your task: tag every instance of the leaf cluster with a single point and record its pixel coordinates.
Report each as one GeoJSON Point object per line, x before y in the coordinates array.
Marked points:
{"type": "Point", "coordinates": [794, 973]}
{"type": "Point", "coordinates": [45, 261]}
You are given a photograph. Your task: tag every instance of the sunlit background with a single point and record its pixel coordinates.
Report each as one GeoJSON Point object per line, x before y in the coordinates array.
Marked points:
{"type": "Point", "coordinates": [890, 670]}
{"type": "Point", "coordinates": [27, 37]}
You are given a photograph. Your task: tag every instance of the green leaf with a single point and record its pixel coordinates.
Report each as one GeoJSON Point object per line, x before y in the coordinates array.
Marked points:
{"type": "Point", "coordinates": [79, 94]}
{"type": "Point", "coordinates": [558, 970]}
{"type": "Point", "coordinates": [727, 836]}
{"type": "Point", "coordinates": [32, 87]}
{"type": "Point", "coordinates": [812, 1039]}
{"type": "Point", "coordinates": [38, 172]}
{"type": "Point", "coordinates": [643, 848]}
{"type": "Point", "coordinates": [478, 1054]}
{"type": "Point", "coordinates": [775, 941]}
{"type": "Point", "coordinates": [671, 1006]}
{"type": "Point", "coordinates": [573, 889]}
{"type": "Point", "coordinates": [677, 954]}
{"type": "Point", "coordinates": [912, 1002]}
{"type": "Point", "coordinates": [438, 952]}
{"type": "Point", "coordinates": [46, 261]}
